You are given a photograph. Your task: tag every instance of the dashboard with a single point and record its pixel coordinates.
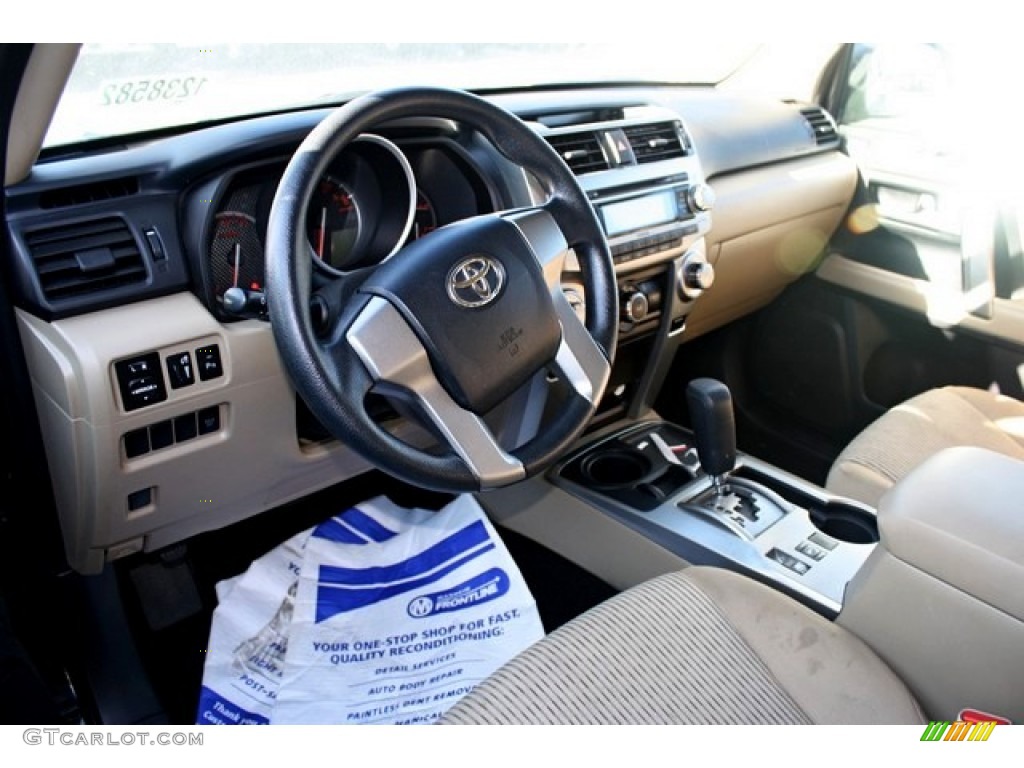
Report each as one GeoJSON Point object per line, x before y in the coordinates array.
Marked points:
{"type": "Point", "coordinates": [140, 285]}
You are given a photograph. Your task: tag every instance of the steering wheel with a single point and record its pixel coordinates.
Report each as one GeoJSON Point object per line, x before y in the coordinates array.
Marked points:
{"type": "Point", "coordinates": [457, 321]}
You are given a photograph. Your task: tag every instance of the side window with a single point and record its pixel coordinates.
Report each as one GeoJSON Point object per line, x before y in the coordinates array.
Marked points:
{"type": "Point", "coordinates": [924, 124]}
{"type": "Point", "coordinates": [896, 124]}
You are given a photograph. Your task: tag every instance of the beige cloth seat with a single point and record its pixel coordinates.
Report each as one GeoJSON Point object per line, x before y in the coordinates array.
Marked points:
{"type": "Point", "coordinates": [901, 439]}
{"type": "Point", "coordinates": [700, 646]}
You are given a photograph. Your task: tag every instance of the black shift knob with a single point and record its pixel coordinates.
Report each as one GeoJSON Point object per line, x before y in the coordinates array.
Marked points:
{"type": "Point", "coordinates": [713, 424]}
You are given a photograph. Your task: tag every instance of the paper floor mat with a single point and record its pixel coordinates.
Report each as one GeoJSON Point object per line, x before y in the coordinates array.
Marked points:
{"type": "Point", "coordinates": [379, 615]}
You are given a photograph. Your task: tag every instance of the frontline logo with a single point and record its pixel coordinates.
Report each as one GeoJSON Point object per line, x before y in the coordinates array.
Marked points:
{"type": "Point", "coordinates": [487, 586]}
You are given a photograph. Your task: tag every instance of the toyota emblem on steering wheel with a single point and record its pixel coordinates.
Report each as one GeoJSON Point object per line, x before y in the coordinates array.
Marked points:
{"type": "Point", "coordinates": [475, 281]}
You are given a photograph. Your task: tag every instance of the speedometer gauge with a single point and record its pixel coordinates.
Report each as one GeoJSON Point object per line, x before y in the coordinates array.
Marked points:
{"type": "Point", "coordinates": [333, 223]}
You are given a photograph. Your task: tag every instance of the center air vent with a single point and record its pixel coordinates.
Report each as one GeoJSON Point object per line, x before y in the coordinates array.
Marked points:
{"type": "Point", "coordinates": [821, 125]}
{"type": "Point", "coordinates": [658, 141]}
{"type": "Point", "coordinates": [86, 257]}
{"type": "Point", "coordinates": [581, 152]}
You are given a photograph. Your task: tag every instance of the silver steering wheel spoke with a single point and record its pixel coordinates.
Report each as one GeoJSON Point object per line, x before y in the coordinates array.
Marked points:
{"type": "Point", "coordinates": [547, 242]}
{"type": "Point", "coordinates": [579, 360]}
{"type": "Point", "coordinates": [391, 353]}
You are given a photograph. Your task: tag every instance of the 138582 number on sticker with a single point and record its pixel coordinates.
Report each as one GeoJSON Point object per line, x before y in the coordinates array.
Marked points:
{"type": "Point", "coordinates": [152, 89]}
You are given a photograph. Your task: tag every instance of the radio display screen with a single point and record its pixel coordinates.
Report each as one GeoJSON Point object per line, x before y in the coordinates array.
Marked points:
{"type": "Point", "coordinates": [639, 212]}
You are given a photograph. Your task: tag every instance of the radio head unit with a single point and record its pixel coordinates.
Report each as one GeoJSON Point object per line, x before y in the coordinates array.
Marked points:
{"type": "Point", "coordinates": [645, 221]}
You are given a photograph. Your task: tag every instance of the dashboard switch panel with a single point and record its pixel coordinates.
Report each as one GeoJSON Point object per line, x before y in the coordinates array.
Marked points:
{"type": "Point", "coordinates": [140, 381]}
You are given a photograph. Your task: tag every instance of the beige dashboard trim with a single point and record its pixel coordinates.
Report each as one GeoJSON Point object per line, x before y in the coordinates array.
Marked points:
{"type": "Point", "coordinates": [252, 463]}
{"type": "Point", "coordinates": [769, 227]}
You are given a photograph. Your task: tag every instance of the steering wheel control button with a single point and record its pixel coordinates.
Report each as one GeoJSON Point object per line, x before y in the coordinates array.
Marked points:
{"type": "Point", "coordinates": [140, 381]}
{"type": "Point", "coordinates": [209, 420]}
{"type": "Point", "coordinates": [136, 443]}
{"type": "Point", "coordinates": [476, 281]}
{"type": "Point", "coordinates": [180, 371]}
{"type": "Point", "coordinates": [161, 435]}
{"type": "Point", "coordinates": [208, 362]}
{"type": "Point", "coordinates": [184, 427]}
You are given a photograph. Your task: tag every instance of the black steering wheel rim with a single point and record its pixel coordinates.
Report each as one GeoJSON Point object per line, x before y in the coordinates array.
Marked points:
{"type": "Point", "coordinates": [331, 377]}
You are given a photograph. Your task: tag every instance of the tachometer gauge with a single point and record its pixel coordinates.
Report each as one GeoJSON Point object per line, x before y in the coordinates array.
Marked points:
{"type": "Point", "coordinates": [333, 223]}
{"type": "Point", "coordinates": [236, 253]}
{"type": "Point", "coordinates": [362, 208]}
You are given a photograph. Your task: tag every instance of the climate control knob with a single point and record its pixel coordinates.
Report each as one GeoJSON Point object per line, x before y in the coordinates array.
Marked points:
{"type": "Point", "coordinates": [635, 306]}
{"type": "Point", "coordinates": [699, 276]}
{"type": "Point", "coordinates": [695, 275]}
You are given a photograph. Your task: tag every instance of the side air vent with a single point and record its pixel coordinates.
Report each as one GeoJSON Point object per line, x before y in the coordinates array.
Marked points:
{"type": "Point", "coordinates": [581, 151]}
{"type": "Point", "coordinates": [658, 141]}
{"type": "Point", "coordinates": [821, 125]}
{"type": "Point", "coordinates": [84, 258]}
{"type": "Point", "coordinates": [108, 189]}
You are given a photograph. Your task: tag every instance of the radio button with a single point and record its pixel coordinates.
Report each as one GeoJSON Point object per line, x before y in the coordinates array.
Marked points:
{"type": "Point", "coordinates": [702, 197]}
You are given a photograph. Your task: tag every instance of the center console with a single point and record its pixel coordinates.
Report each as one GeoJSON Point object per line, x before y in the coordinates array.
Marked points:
{"type": "Point", "coordinates": [690, 494]}
{"type": "Point", "coordinates": [642, 173]}
{"type": "Point", "coordinates": [693, 495]}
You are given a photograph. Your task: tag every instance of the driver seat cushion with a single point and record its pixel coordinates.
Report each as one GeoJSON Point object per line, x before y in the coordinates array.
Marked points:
{"type": "Point", "coordinates": [904, 437]}
{"type": "Point", "coordinates": [701, 646]}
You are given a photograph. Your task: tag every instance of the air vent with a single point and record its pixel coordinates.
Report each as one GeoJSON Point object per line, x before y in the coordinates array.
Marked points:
{"type": "Point", "coordinates": [658, 141]}
{"type": "Point", "coordinates": [821, 124]}
{"type": "Point", "coordinates": [85, 258]}
{"type": "Point", "coordinates": [581, 151]}
{"type": "Point", "coordinates": [81, 194]}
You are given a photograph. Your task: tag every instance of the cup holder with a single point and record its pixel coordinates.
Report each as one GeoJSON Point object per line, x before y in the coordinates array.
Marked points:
{"type": "Point", "coordinates": [616, 468]}
{"type": "Point", "coordinates": [845, 523]}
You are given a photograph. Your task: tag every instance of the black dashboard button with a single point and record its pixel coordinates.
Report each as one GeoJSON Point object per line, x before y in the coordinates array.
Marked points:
{"type": "Point", "coordinates": [140, 499]}
{"type": "Point", "coordinates": [140, 381]}
{"type": "Point", "coordinates": [209, 420]}
{"type": "Point", "coordinates": [156, 245]}
{"type": "Point", "coordinates": [180, 371]}
{"type": "Point", "coordinates": [208, 362]}
{"type": "Point", "coordinates": [136, 443]}
{"type": "Point", "coordinates": [184, 427]}
{"type": "Point", "coordinates": [161, 435]}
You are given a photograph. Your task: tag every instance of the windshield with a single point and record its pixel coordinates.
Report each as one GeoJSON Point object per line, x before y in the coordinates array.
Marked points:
{"type": "Point", "coordinates": [128, 88]}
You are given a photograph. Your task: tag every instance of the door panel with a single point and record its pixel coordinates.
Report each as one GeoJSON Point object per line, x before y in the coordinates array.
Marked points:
{"type": "Point", "coordinates": [922, 236]}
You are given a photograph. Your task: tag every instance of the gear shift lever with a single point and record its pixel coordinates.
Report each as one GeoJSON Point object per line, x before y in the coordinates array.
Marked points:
{"type": "Point", "coordinates": [710, 404]}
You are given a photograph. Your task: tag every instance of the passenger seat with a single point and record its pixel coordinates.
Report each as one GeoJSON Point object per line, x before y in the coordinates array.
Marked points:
{"type": "Point", "coordinates": [908, 434]}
